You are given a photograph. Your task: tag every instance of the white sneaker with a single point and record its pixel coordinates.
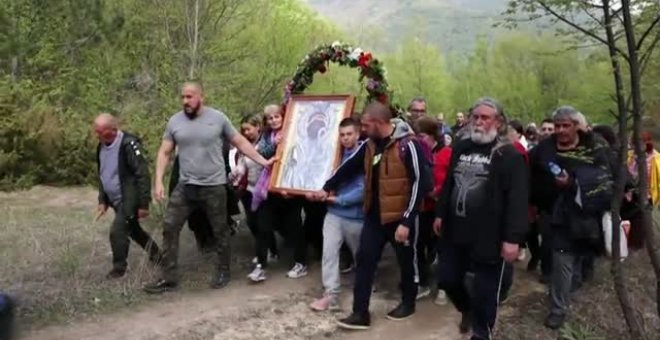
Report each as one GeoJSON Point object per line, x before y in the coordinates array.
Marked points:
{"type": "Point", "coordinates": [441, 299]}
{"type": "Point", "coordinates": [258, 274]}
{"type": "Point", "coordinates": [297, 271]}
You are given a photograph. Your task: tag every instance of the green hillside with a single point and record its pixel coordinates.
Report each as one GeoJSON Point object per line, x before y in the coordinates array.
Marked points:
{"type": "Point", "coordinates": [452, 25]}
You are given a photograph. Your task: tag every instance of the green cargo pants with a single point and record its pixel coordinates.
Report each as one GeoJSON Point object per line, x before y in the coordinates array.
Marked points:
{"type": "Point", "coordinates": [183, 200]}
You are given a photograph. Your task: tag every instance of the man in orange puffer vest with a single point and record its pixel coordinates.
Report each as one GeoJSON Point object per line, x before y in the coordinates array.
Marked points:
{"type": "Point", "coordinates": [396, 182]}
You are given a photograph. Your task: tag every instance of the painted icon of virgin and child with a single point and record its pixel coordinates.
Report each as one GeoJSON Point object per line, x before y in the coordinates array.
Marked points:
{"type": "Point", "coordinates": [309, 161]}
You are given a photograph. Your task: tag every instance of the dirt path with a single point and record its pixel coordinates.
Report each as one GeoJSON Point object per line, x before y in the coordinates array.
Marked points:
{"type": "Point", "coordinates": [276, 309]}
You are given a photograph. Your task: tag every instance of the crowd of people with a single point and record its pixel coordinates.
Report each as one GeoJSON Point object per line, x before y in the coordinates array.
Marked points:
{"type": "Point", "coordinates": [458, 204]}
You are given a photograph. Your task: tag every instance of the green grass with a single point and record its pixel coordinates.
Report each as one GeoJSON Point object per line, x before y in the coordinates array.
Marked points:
{"type": "Point", "coordinates": [53, 257]}
{"type": "Point", "coordinates": [579, 332]}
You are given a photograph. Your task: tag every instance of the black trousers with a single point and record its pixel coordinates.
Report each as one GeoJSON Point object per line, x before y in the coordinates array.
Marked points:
{"type": "Point", "coordinates": [277, 212]}
{"type": "Point", "coordinates": [472, 287]}
{"type": "Point", "coordinates": [252, 220]}
{"type": "Point", "coordinates": [373, 239]}
{"type": "Point", "coordinates": [533, 242]}
{"type": "Point", "coordinates": [313, 224]}
{"type": "Point", "coordinates": [123, 230]}
{"type": "Point", "coordinates": [426, 246]}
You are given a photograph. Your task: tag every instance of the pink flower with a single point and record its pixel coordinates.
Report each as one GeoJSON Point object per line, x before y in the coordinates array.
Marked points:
{"type": "Point", "coordinates": [372, 84]}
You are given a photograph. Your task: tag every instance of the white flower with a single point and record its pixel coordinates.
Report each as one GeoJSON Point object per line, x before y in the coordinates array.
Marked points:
{"type": "Point", "coordinates": [355, 55]}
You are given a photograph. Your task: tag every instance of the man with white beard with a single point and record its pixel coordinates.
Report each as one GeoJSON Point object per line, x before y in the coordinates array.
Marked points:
{"type": "Point", "coordinates": [481, 217]}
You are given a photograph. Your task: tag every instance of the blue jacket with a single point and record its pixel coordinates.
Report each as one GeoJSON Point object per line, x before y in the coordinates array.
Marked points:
{"type": "Point", "coordinates": [350, 195]}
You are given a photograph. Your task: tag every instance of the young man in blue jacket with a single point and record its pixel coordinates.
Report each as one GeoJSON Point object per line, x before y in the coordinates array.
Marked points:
{"type": "Point", "coordinates": [344, 220]}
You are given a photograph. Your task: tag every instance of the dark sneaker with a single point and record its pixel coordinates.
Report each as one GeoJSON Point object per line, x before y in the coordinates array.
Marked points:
{"type": "Point", "coordinates": [422, 292]}
{"type": "Point", "coordinates": [346, 268]}
{"type": "Point", "coordinates": [160, 286]}
{"type": "Point", "coordinates": [503, 297]}
{"type": "Point", "coordinates": [346, 262]}
{"type": "Point", "coordinates": [221, 280]}
{"type": "Point", "coordinates": [116, 274]}
{"type": "Point", "coordinates": [554, 321]}
{"type": "Point", "coordinates": [401, 312]}
{"type": "Point", "coordinates": [466, 323]}
{"type": "Point", "coordinates": [533, 264]}
{"type": "Point", "coordinates": [355, 321]}
{"type": "Point", "coordinates": [576, 285]}
{"type": "Point", "coordinates": [544, 279]}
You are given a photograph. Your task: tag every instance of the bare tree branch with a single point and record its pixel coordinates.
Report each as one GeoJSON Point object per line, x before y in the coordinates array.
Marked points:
{"type": "Point", "coordinates": [647, 32]}
{"type": "Point", "coordinates": [567, 49]}
{"type": "Point", "coordinates": [584, 5]}
{"type": "Point", "coordinates": [592, 35]}
{"type": "Point", "coordinates": [612, 113]}
{"type": "Point", "coordinates": [646, 55]}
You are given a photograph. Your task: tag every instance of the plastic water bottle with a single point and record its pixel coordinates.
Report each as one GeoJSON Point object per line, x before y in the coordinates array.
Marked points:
{"type": "Point", "coordinates": [555, 169]}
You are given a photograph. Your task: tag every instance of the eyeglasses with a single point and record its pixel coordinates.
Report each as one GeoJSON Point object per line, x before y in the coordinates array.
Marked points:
{"type": "Point", "coordinates": [417, 111]}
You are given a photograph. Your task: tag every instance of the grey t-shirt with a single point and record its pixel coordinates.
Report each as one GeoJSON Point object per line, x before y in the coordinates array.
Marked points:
{"type": "Point", "coordinates": [109, 169]}
{"type": "Point", "coordinates": [199, 142]}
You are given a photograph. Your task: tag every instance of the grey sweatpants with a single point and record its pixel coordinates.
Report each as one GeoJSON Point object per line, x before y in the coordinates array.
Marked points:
{"type": "Point", "coordinates": [566, 268]}
{"type": "Point", "coordinates": [336, 231]}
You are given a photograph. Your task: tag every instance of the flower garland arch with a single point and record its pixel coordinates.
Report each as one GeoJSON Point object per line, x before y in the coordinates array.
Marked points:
{"type": "Point", "coordinates": [344, 55]}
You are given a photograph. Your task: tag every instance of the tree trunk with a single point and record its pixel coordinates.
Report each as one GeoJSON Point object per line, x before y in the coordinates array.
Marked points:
{"type": "Point", "coordinates": [14, 69]}
{"type": "Point", "coordinates": [631, 316]}
{"type": "Point", "coordinates": [640, 153]}
{"type": "Point", "coordinates": [193, 36]}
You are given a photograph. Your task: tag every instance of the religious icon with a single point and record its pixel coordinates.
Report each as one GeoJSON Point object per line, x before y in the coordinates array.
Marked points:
{"type": "Point", "coordinates": [310, 150]}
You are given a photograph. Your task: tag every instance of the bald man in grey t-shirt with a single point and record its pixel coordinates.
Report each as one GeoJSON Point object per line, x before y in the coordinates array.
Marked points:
{"type": "Point", "coordinates": [199, 133]}
{"type": "Point", "coordinates": [200, 143]}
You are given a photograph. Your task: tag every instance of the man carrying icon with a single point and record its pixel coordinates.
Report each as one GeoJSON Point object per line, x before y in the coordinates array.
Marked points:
{"type": "Point", "coordinates": [396, 181]}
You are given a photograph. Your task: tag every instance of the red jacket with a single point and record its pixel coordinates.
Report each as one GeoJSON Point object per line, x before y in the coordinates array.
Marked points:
{"type": "Point", "coordinates": [522, 150]}
{"type": "Point", "coordinates": [531, 211]}
{"type": "Point", "coordinates": [441, 162]}
{"type": "Point", "coordinates": [441, 159]}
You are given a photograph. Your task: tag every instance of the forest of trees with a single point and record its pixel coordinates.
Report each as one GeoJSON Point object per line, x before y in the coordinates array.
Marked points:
{"type": "Point", "coordinates": [62, 62]}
